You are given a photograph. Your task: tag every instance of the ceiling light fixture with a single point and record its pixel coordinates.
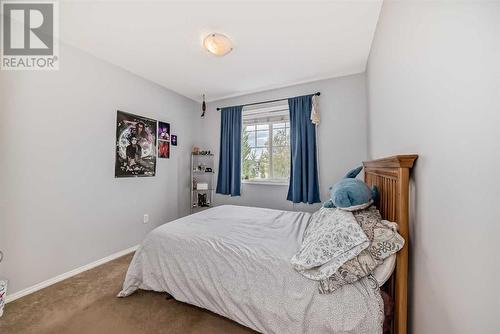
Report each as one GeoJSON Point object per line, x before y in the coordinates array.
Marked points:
{"type": "Point", "coordinates": [218, 44]}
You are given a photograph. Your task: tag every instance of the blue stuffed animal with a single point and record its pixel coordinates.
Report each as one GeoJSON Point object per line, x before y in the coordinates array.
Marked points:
{"type": "Point", "coordinates": [351, 194]}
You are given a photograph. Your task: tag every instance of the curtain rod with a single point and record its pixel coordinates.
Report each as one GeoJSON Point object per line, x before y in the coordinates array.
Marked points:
{"type": "Point", "coordinates": [254, 103]}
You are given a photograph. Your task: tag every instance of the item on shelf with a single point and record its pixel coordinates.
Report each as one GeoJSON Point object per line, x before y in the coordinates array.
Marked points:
{"type": "Point", "coordinates": [208, 170]}
{"type": "Point", "coordinates": [202, 186]}
{"type": "Point", "coordinates": [202, 200]}
{"type": "Point", "coordinates": [197, 151]}
{"type": "Point", "coordinates": [194, 184]}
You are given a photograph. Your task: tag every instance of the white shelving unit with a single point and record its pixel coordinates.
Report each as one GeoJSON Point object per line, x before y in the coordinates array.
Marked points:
{"type": "Point", "coordinates": [202, 182]}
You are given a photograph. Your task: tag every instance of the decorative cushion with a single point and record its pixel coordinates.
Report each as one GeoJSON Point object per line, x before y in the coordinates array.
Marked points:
{"type": "Point", "coordinates": [384, 271]}
{"type": "Point", "coordinates": [384, 241]}
{"type": "Point", "coordinates": [332, 238]}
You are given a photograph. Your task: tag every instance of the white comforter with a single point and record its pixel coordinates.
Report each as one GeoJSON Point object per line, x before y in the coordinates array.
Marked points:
{"type": "Point", "coordinates": [235, 261]}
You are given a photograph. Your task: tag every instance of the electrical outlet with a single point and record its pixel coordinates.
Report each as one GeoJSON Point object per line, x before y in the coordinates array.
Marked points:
{"type": "Point", "coordinates": [146, 218]}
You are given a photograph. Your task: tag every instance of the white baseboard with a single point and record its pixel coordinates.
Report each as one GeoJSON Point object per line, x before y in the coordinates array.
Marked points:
{"type": "Point", "coordinates": [68, 274]}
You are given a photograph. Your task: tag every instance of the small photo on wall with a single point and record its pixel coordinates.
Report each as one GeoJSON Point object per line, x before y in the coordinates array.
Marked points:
{"type": "Point", "coordinates": [163, 149]}
{"type": "Point", "coordinates": [173, 140]}
{"type": "Point", "coordinates": [164, 131]}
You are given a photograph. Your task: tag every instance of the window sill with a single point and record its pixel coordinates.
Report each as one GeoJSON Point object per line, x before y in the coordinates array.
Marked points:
{"type": "Point", "coordinates": [265, 183]}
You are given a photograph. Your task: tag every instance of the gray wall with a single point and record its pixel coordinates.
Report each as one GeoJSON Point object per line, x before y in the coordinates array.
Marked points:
{"type": "Point", "coordinates": [434, 89]}
{"type": "Point", "coordinates": [60, 205]}
{"type": "Point", "coordinates": [342, 137]}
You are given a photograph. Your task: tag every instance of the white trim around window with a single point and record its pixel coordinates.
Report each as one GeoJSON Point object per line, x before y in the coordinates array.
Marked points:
{"type": "Point", "coordinates": [266, 134]}
{"type": "Point", "coordinates": [265, 182]}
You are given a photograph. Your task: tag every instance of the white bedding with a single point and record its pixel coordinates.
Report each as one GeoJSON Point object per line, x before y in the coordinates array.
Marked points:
{"type": "Point", "coordinates": [235, 261]}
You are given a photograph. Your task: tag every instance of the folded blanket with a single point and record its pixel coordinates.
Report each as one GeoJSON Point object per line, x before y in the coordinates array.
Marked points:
{"type": "Point", "coordinates": [384, 241]}
{"type": "Point", "coordinates": [332, 238]}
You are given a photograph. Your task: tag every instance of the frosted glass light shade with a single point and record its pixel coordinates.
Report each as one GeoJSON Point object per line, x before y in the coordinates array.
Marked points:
{"type": "Point", "coordinates": [217, 44]}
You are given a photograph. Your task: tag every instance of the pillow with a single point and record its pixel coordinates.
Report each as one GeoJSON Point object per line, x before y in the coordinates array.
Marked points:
{"type": "Point", "coordinates": [384, 241]}
{"type": "Point", "coordinates": [332, 238]}
{"type": "Point", "coordinates": [350, 193]}
{"type": "Point", "coordinates": [384, 271]}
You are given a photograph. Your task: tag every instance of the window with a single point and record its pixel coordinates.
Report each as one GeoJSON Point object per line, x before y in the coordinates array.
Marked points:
{"type": "Point", "coordinates": [265, 144]}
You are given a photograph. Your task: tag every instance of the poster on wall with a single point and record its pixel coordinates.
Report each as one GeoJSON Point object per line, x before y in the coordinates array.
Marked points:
{"type": "Point", "coordinates": [135, 145]}
{"type": "Point", "coordinates": [163, 140]}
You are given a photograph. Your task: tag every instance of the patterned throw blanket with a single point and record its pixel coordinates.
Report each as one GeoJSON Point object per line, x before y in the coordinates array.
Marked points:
{"type": "Point", "coordinates": [341, 247]}
{"type": "Point", "coordinates": [332, 238]}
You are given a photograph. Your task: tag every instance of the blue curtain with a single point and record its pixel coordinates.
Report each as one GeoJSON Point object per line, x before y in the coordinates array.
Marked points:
{"type": "Point", "coordinates": [229, 177]}
{"type": "Point", "coordinates": [303, 186]}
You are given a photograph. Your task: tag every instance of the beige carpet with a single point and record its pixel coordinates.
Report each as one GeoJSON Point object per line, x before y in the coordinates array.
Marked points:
{"type": "Point", "coordinates": [86, 303]}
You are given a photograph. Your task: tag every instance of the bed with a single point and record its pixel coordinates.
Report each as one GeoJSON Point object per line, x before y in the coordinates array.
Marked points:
{"type": "Point", "coordinates": [235, 261]}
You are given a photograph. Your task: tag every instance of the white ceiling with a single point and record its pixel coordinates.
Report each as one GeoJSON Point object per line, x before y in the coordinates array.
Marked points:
{"type": "Point", "coordinates": [276, 44]}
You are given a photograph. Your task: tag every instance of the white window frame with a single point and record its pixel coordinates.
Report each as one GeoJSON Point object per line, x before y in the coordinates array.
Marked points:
{"type": "Point", "coordinates": [255, 116]}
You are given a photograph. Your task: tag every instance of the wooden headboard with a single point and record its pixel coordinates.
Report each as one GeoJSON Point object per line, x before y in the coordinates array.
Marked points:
{"type": "Point", "coordinates": [391, 176]}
